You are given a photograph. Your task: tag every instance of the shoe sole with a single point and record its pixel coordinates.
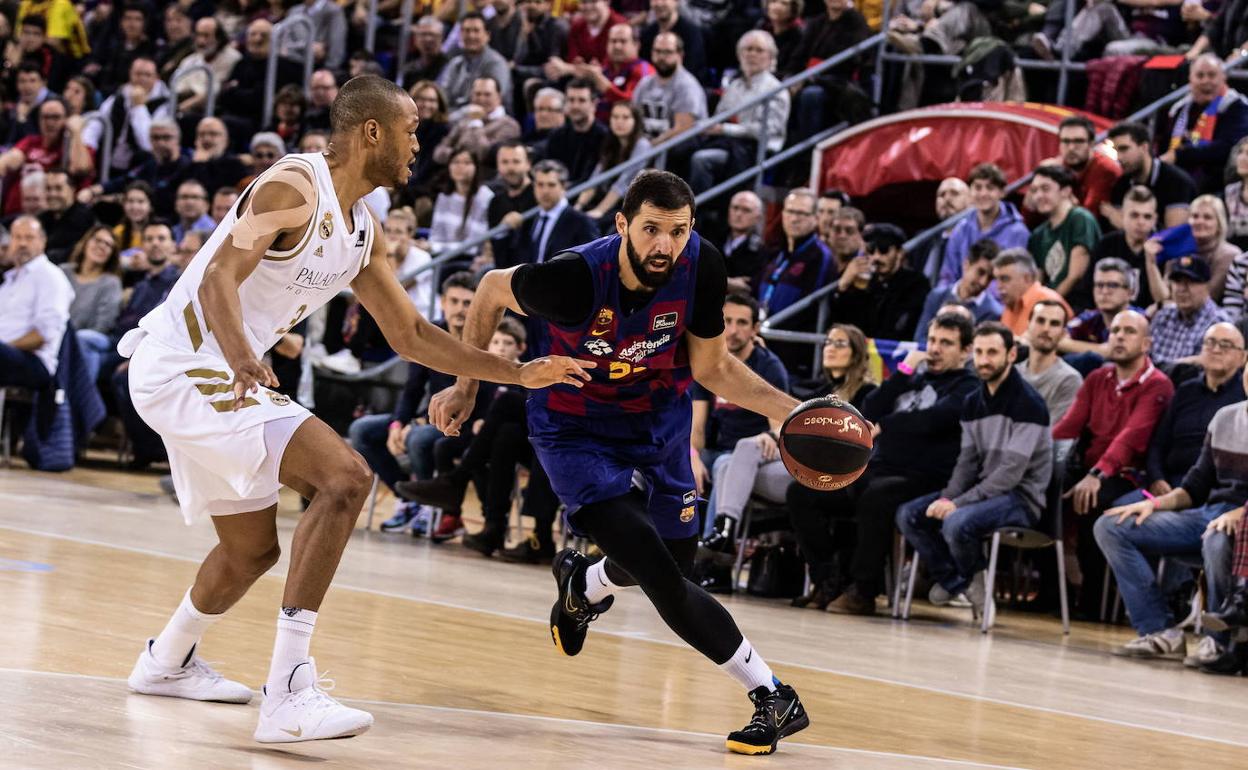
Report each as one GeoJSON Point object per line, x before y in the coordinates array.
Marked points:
{"type": "Point", "coordinates": [289, 739]}
{"type": "Point", "coordinates": [156, 693]}
{"type": "Point", "coordinates": [737, 747]}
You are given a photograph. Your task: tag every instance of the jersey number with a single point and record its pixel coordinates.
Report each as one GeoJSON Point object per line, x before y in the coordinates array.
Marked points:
{"type": "Point", "coordinates": [621, 369]}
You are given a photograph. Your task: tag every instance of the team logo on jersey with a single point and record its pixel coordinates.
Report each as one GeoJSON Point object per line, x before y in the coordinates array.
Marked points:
{"type": "Point", "coordinates": [691, 496]}
{"type": "Point", "coordinates": [279, 399]}
{"type": "Point", "coordinates": [665, 321]}
{"type": "Point", "coordinates": [602, 324]}
{"type": "Point", "coordinates": [686, 514]}
{"type": "Point", "coordinates": [319, 252]}
{"type": "Point", "coordinates": [598, 347]}
{"type": "Point", "coordinates": [327, 225]}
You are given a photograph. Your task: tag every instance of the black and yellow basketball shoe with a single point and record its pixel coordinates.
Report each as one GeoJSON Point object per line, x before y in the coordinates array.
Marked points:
{"type": "Point", "coordinates": [777, 714]}
{"type": "Point", "coordinates": [572, 613]}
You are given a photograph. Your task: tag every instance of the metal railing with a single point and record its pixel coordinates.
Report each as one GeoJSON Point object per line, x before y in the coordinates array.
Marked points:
{"type": "Point", "coordinates": [210, 99]}
{"type": "Point", "coordinates": [105, 150]}
{"type": "Point", "coordinates": [1064, 66]}
{"type": "Point", "coordinates": [281, 31]}
{"type": "Point", "coordinates": [661, 150]}
{"type": "Point", "coordinates": [767, 329]}
{"type": "Point", "coordinates": [405, 39]}
{"type": "Point", "coordinates": [370, 31]}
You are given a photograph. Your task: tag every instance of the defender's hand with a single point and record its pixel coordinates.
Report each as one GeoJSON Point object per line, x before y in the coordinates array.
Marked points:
{"type": "Point", "coordinates": [555, 370]}
{"type": "Point", "coordinates": [449, 408]}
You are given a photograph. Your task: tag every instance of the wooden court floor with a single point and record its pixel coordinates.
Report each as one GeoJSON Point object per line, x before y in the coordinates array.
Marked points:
{"type": "Point", "coordinates": [452, 654]}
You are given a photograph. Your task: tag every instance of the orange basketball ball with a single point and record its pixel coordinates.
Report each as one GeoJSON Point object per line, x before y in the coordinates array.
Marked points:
{"type": "Point", "coordinates": [825, 443]}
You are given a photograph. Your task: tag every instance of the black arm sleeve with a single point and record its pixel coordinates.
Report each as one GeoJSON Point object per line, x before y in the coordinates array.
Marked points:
{"type": "Point", "coordinates": [708, 298]}
{"type": "Point", "coordinates": [560, 290]}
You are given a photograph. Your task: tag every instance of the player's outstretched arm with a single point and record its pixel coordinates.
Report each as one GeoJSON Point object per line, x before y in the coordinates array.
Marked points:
{"type": "Point", "coordinates": [416, 339]}
{"type": "Point", "coordinates": [725, 376]}
{"type": "Point", "coordinates": [281, 205]}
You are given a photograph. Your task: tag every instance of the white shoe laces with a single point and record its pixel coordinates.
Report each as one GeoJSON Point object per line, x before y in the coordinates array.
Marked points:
{"type": "Point", "coordinates": [203, 668]}
{"type": "Point", "coordinates": [317, 696]}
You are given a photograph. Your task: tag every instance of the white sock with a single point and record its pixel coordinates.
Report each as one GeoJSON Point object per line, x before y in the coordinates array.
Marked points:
{"type": "Point", "coordinates": [597, 585]}
{"type": "Point", "coordinates": [181, 633]}
{"type": "Point", "coordinates": [294, 637]}
{"type": "Point", "coordinates": [749, 668]}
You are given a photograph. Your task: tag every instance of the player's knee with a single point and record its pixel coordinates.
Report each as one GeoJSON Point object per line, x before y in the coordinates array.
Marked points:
{"type": "Point", "coordinates": [350, 481]}
{"type": "Point", "coordinates": [253, 560]}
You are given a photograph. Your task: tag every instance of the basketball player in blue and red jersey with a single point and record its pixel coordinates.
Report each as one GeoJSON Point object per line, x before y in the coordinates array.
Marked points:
{"type": "Point", "coordinates": [647, 305]}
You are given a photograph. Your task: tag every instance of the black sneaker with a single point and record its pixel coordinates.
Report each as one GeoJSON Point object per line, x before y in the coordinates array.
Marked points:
{"type": "Point", "coordinates": [777, 714]}
{"type": "Point", "coordinates": [572, 613]}
{"type": "Point", "coordinates": [529, 551]}
{"type": "Point", "coordinates": [485, 542]}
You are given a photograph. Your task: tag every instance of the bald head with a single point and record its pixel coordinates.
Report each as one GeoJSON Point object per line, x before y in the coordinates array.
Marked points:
{"type": "Point", "coordinates": [365, 98]}
{"type": "Point", "coordinates": [1129, 339]}
{"type": "Point", "coordinates": [26, 240]}
{"type": "Point", "coordinates": [1221, 352]}
{"type": "Point", "coordinates": [951, 197]}
{"type": "Point", "coordinates": [1207, 78]}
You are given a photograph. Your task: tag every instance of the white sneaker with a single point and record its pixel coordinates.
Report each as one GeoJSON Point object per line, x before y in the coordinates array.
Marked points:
{"type": "Point", "coordinates": [940, 597]}
{"type": "Point", "coordinates": [1161, 644]}
{"type": "Point", "coordinates": [303, 711]}
{"type": "Point", "coordinates": [1207, 651]}
{"type": "Point", "coordinates": [195, 680]}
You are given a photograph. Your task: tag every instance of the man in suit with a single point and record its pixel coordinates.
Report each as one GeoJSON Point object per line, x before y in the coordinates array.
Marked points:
{"type": "Point", "coordinates": [557, 227]}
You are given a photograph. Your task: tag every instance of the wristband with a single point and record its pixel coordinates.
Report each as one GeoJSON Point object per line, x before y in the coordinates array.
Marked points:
{"type": "Point", "coordinates": [1147, 494]}
{"type": "Point", "coordinates": [395, 425]}
{"type": "Point", "coordinates": [905, 368]}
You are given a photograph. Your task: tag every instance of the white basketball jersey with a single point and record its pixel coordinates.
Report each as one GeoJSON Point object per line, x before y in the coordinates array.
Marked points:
{"type": "Point", "coordinates": [287, 285]}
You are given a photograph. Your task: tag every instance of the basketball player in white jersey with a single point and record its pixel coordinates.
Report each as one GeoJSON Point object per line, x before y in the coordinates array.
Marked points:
{"type": "Point", "coordinates": [296, 237]}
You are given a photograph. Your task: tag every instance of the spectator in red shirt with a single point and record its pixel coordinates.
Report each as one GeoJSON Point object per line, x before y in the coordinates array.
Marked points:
{"type": "Point", "coordinates": [587, 39]}
{"type": "Point", "coordinates": [45, 150]}
{"type": "Point", "coordinates": [623, 70]}
{"type": "Point", "coordinates": [1095, 173]}
{"type": "Point", "coordinates": [1112, 420]}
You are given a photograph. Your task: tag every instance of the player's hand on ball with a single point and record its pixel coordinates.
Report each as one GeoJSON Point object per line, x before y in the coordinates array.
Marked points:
{"type": "Point", "coordinates": [248, 377]}
{"type": "Point", "coordinates": [450, 407]}
{"type": "Point", "coordinates": [555, 370]}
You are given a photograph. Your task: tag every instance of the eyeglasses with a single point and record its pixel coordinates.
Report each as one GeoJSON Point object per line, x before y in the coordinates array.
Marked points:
{"type": "Point", "coordinates": [548, 109]}
{"type": "Point", "coordinates": [838, 344]}
{"type": "Point", "coordinates": [163, 137]}
{"type": "Point", "coordinates": [107, 243]}
{"type": "Point", "coordinates": [1108, 285]}
{"type": "Point", "coordinates": [1223, 345]}
{"type": "Point", "coordinates": [845, 230]}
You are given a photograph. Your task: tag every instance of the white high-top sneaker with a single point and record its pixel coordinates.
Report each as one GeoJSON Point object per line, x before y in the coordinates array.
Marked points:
{"type": "Point", "coordinates": [303, 711]}
{"type": "Point", "coordinates": [194, 680]}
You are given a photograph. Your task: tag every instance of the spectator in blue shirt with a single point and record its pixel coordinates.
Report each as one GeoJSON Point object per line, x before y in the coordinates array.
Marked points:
{"type": "Point", "coordinates": [993, 218]}
{"type": "Point", "coordinates": [970, 290]}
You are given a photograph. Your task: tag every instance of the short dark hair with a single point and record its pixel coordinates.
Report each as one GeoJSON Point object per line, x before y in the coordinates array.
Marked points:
{"type": "Point", "coordinates": [984, 248]}
{"type": "Point", "coordinates": [475, 15]}
{"type": "Point", "coordinates": [37, 21]}
{"type": "Point", "coordinates": [853, 214]}
{"type": "Point", "coordinates": [460, 280]}
{"type": "Point", "coordinates": [1079, 121]}
{"type": "Point", "coordinates": [552, 166]}
{"type": "Point", "coordinates": [988, 328]}
{"type": "Point", "coordinates": [511, 144]}
{"type": "Point", "coordinates": [514, 329]}
{"type": "Point", "coordinates": [1050, 303]}
{"type": "Point", "coordinates": [957, 322]}
{"type": "Point", "coordinates": [1060, 175]}
{"type": "Point", "coordinates": [1139, 194]}
{"type": "Point", "coordinates": [661, 189]}
{"type": "Point", "coordinates": [158, 223]}
{"type": "Point", "coordinates": [363, 98]}
{"type": "Point", "coordinates": [30, 66]}
{"type": "Point", "coordinates": [226, 190]}
{"type": "Point", "coordinates": [745, 300]}
{"type": "Point", "coordinates": [584, 84]}
{"type": "Point", "coordinates": [834, 194]}
{"type": "Point", "coordinates": [1136, 132]}
{"type": "Point", "coordinates": [990, 173]}
{"type": "Point", "coordinates": [134, 7]}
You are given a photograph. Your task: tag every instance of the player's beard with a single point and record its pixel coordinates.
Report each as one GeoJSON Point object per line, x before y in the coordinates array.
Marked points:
{"type": "Point", "coordinates": [992, 375]}
{"type": "Point", "coordinates": [647, 278]}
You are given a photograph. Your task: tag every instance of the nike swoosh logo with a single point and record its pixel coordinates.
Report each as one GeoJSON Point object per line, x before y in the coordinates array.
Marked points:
{"type": "Point", "coordinates": [599, 334]}
{"type": "Point", "coordinates": [297, 733]}
{"type": "Point", "coordinates": [749, 655]}
{"type": "Point", "coordinates": [567, 604]}
{"type": "Point", "coordinates": [781, 717]}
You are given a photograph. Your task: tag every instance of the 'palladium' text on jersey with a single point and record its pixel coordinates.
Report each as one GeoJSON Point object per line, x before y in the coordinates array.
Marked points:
{"type": "Point", "coordinates": [316, 279]}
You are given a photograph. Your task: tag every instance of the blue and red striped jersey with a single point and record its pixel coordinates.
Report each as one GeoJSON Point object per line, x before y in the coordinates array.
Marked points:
{"type": "Point", "coordinates": [643, 358]}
